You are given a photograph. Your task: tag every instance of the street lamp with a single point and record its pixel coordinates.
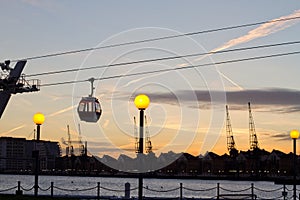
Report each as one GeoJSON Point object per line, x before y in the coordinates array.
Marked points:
{"type": "Point", "coordinates": [38, 119]}
{"type": "Point", "coordinates": [142, 102]}
{"type": "Point", "coordinates": [294, 135]}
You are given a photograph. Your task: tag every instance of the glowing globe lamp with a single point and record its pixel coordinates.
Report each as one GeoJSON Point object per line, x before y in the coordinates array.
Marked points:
{"type": "Point", "coordinates": [38, 118]}
{"type": "Point", "coordinates": [294, 134]}
{"type": "Point", "coordinates": [141, 101]}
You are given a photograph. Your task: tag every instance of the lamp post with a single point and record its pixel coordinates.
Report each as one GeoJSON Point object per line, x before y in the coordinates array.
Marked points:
{"type": "Point", "coordinates": [38, 119]}
{"type": "Point", "coordinates": [141, 101]}
{"type": "Point", "coordinates": [294, 135]}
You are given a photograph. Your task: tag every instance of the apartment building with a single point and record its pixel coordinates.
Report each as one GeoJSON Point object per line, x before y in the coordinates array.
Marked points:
{"type": "Point", "coordinates": [16, 154]}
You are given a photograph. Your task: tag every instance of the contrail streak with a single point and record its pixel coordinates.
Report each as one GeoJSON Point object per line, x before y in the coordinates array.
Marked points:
{"type": "Point", "coordinates": [61, 111]}
{"type": "Point", "coordinates": [142, 78]}
{"type": "Point", "coordinates": [231, 81]}
{"type": "Point", "coordinates": [50, 115]}
{"type": "Point", "coordinates": [262, 31]}
{"type": "Point", "coordinates": [13, 129]}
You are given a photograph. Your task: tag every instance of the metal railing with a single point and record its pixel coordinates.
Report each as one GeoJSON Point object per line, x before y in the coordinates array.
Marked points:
{"type": "Point", "coordinates": [220, 192]}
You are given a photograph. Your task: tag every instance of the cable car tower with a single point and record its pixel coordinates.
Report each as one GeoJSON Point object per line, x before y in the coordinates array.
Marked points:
{"type": "Point", "coordinates": [89, 108]}
{"type": "Point", "coordinates": [230, 140]}
{"type": "Point", "coordinates": [12, 82]}
{"type": "Point", "coordinates": [252, 132]}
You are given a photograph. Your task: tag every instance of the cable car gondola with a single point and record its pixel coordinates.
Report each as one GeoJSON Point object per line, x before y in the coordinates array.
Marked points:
{"type": "Point", "coordinates": [89, 108]}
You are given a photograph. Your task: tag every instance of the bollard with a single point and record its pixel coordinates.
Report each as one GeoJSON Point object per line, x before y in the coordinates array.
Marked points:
{"type": "Point", "coordinates": [98, 190]}
{"type": "Point", "coordinates": [52, 186]}
{"type": "Point", "coordinates": [19, 191]}
{"type": "Point", "coordinates": [218, 190]}
{"type": "Point", "coordinates": [127, 190]}
{"type": "Point", "coordinates": [180, 191]}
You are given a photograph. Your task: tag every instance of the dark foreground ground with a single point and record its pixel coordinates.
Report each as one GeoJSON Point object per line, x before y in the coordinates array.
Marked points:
{"type": "Point", "coordinates": [24, 197]}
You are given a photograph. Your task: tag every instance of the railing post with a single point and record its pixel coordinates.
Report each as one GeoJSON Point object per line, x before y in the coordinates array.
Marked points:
{"type": "Point", "coordinates": [19, 191]}
{"type": "Point", "coordinates": [284, 193]}
{"type": "Point", "coordinates": [35, 154]}
{"type": "Point", "coordinates": [218, 190]}
{"type": "Point", "coordinates": [98, 190]}
{"type": "Point", "coordinates": [252, 191]}
{"type": "Point", "coordinates": [51, 189]}
{"type": "Point", "coordinates": [180, 191]}
{"type": "Point", "coordinates": [127, 190]}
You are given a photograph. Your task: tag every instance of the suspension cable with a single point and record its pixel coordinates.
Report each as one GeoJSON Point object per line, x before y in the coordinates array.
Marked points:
{"type": "Point", "coordinates": [153, 39]}
{"type": "Point", "coordinates": [176, 68]}
{"type": "Point", "coordinates": [164, 58]}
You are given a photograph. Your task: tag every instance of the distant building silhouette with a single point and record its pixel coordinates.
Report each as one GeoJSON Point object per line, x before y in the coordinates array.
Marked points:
{"type": "Point", "coordinates": [16, 154]}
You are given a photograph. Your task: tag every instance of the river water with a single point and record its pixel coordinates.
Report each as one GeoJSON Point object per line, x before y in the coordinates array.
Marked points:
{"type": "Point", "coordinates": [71, 185]}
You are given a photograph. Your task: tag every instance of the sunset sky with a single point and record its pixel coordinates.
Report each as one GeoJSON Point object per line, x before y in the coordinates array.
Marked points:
{"type": "Point", "coordinates": [187, 109]}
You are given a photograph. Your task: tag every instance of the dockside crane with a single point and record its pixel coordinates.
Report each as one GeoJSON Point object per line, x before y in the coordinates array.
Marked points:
{"type": "Point", "coordinates": [230, 140]}
{"type": "Point", "coordinates": [82, 147]}
{"type": "Point", "coordinates": [148, 141]}
{"type": "Point", "coordinates": [135, 134]}
{"type": "Point", "coordinates": [70, 150]}
{"type": "Point", "coordinates": [252, 133]}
